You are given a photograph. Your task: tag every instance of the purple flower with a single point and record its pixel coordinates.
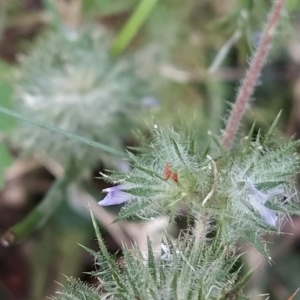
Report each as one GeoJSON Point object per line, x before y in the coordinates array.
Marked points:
{"type": "Point", "coordinates": [116, 195]}
{"type": "Point", "coordinates": [258, 200]}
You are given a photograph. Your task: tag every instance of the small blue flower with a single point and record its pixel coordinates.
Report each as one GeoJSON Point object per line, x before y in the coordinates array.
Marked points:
{"type": "Point", "coordinates": [258, 200]}
{"type": "Point", "coordinates": [116, 195]}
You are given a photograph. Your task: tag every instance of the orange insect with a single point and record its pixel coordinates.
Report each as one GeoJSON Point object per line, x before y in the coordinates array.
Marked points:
{"type": "Point", "coordinates": [175, 176]}
{"type": "Point", "coordinates": [168, 173]}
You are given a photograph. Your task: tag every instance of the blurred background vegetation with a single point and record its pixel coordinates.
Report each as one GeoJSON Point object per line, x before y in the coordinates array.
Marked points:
{"type": "Point", "coordinates": [172, 62]}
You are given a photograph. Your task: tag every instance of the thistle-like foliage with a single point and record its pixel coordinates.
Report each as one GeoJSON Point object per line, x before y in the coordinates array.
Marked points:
{"type": "Point", "coordinates": [248, 192]}
{"type": "Point", "coordinates": [256, 187]}
{"type": "Point", "coordinates": [187, 269]}
{"type": "Point", "coordinates": [167, 176]}
{"type": "Point", "coordinates": [72, 82]}
{"type": "Point", "coordinates": [229, 198]}
{"type": "Point", "coordinates": [230, 194]}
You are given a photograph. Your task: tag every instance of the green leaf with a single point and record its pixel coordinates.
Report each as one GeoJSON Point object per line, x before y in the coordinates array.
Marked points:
{"type": "Point", "coordinates": [241, 282]}
{"type": "Point", "coordinates": [142, 192]}
{"type": "Point", "coordinates": [60, 131]}
{"type": "Point", "coordinates": [149, 172]}
{"type": "Point", "coordinates": [250, 135]}
{"type": "Point", "coordinates": [132, 26]}
{"type": "Point", "coordinates": [256, 242]}
{"type": "Point", "coordinates": [107, 257]}
{"type": "Point", "coordinates": [131, 272]}
{"type": "Point", "coordinates": [130, 210]}
{"type": "Point", "coordinates": [5, 161]}
{"type": "Point", "coordinates": [6, 122]}
{"type": "Point", "coordinates": [177, 151]}
{"type": "Point", "coordinates": [273, 126]}
{"type": "Point", "coordinates": [151, 260]}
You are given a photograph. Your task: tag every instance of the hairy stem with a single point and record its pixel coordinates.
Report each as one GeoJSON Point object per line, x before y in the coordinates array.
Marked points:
{"type": "Point", "coordinates": [247, 87]}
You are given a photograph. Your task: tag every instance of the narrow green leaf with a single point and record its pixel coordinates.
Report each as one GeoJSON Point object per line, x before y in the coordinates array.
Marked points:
{"type": "Point", "coordinates": [177, 151]}
{"type": "Point", "coordinates": [218, 144]}
{"type": "Point", "coordinates": [131, 273]}
{"type": "Point", "coordinates": [110, 262]}
{"type": "Point", "coordinates": [258, 136]}
{"type": "Point", "coordinates": [60, 131]}
{"type": "Point", "coordinates": [132, 26]}
{"type": "Point", "coordinates": [141, 191]}
{"type": "Point", "coordinates": [6, 123]}
{"type": "Point", "coordinates": [255, 241]}
{"type": "Point", "coordinates": [273, 126]}
{"type": "Point", "coordinates": [5, 161]}
{"type": "Point", "coordinates": [149, 172]}
{"type": "Point", "coordinates": [242, 281]}
{"type": "Point", "coordinates": [131, 210]}
{"type": "Point", "coordinates": [162, 276]}
{"type": "Point", "coordinates": [174, 284]}
{"type": "Point", "coordinates": [151, 260]}
{"type": "Point", "coordinates": [250, 134]}
{"type": "Point", "coordinates": [191, 138]}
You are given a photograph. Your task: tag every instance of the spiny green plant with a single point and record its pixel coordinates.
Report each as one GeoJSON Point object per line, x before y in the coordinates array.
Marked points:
{"type": "Point", "coordinates": [70, 80]}
{"type": "Point", "coordinates": [183, 270]}
{"type": "Point", "coordinates": [229, 197]}
{"type": "Point", "coordinates": [71, 83]}
{"type": "Point", "coordinates": [249, 190]}
{"type": "Point", "coordinates": [231, 191]}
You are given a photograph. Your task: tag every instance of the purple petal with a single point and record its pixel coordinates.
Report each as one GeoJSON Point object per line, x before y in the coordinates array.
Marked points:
{"type": "Point", "coordinates": [115, 195]}
{"type": "Point", "coordinates": [268, 215]}
{"type": "Point", "coordinates": [254, 192]}
{"type": "Point", "coordinates": [113, 188]}
{"type": "Point", "coordinates": [257, 200]}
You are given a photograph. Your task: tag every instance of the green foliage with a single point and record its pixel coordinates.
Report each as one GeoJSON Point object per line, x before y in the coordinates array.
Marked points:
{"type": "Point", "coordinates": [148, 180]}
{"type": "Point", "coordinates": [6, 123]}
{"type": "Point", "coordinates": [230, 197]}
{"type": "Point", "coordinates": [133, 25]}
{"type": "Point", "coordinates": [187, 269]}
{"type": "Point", "coordinates": [78, 290]}
{"type": "Point", "coordinates": [69, 80]}
{"type": "Point", "coordinates": [271, 167]}
{"type": "Point", "coordinates": [224, 186]}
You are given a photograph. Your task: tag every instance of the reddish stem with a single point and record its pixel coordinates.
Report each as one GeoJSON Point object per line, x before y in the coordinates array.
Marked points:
{"type": "Point", "coordinates": [252, 75]}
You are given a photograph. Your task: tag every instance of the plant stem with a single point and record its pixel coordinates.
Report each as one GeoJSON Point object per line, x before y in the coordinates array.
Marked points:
{"type": "Point", "coordinates": [39, 215]}
{"type": "Point", "coordinates": [252, 75]}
